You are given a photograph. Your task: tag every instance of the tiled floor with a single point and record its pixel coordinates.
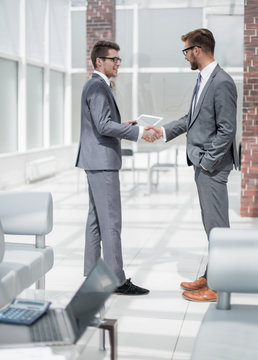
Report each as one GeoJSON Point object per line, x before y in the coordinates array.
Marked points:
{"type": "Point", "coordinates": [163, 244]}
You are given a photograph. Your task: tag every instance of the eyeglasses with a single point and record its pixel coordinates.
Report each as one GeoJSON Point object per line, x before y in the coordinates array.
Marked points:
{"type": "Point", "coordinates": [189, 48]}
{"type": "Point", "coordinates": [114, 59]}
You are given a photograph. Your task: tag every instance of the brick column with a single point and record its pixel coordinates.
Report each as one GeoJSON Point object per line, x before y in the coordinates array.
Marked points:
{"type": "Point", "coordinates": [249, 193]}
{"type": "Point", "coordinates": [101, 25]}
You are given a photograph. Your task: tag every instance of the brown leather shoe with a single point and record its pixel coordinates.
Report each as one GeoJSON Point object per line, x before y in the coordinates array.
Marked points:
{"type": "Point", "coordinates": [205, 294]}
{"type": "Point", "coordinates": [195, 285]}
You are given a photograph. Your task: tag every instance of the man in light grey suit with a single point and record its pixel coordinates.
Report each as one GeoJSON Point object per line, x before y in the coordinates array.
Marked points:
{"type": "Point", "coordinates": [100, 156]}
{"type": "Point", "coordinates": [211, 127]}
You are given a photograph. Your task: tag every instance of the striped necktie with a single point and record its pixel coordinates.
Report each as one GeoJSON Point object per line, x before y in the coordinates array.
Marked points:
{"type": "Point", "coordinates": [197, 90]}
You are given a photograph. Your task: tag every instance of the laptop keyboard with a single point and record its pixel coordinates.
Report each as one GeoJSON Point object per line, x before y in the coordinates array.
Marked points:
{"type": "Point", "coordinates": [46, 329]}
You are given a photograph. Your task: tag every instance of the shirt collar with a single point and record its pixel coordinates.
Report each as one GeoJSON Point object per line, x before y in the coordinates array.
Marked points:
{"type": "Point", "coordinates": [206, 72]}
{"type": "Point", "coordinates": [103, 76]}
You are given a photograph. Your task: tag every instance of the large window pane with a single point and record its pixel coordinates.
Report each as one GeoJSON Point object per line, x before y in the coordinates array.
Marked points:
{"type": "Point", "coordinates": [79, 3]}
{"type": "Point", "coordinates": [166, 95]}
{"type": "Point", "coordinates": [124, 36]}
{"type": "Point", "coordinates": [123, 93]}
{"type": "Point", "coordinates": [175, 3]}
{"type": "Point", "coordinates": [79, 39]}
{"type": "Point", "coordinates": [78, 81]}
{"type": "Point", "coordinates": [34, 107]}
{"type": "Point", "coordinates": [8, 106]}
{"type": "Point", "coordinates": [229, 44]}
{"type": "Point", "coordinates": [160, 32]}
{"type": "Point", "coordinates": [35, 29]}
{"type": "Point", "coordinates": [59, 10]}
{"type": "Point", "coordinates": [56, 96]}
{"type": "Point", "coordinates": [9, 26]}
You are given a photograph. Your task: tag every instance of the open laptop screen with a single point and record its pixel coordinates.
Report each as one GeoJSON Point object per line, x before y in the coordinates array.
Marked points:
{"type": "Point", "coordinates": [90, 297]}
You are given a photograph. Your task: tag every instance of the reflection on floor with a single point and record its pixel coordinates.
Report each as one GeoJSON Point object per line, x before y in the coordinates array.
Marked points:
{"type": "Point", "coordinates": [163, 244]}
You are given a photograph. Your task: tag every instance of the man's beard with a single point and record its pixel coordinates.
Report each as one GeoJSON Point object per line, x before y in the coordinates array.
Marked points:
{"type": "Point", "coordinates": [194, 64]}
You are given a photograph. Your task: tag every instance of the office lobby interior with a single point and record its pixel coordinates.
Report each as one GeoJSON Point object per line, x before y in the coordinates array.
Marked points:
{"type": "Point", "coordinates": [44, 63]}
{"type": "Point", "coordinates": [163, 244]}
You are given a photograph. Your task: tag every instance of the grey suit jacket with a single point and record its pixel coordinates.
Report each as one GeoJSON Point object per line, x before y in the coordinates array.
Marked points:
{"type": "Point", "coordinates": [212, 128]}
{"type": "Point", "coordinates": [101, 128]}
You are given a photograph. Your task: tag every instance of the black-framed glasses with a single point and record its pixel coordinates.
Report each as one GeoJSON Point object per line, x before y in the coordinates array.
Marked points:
{"type": "Point", "coordinates": [189, 48]}
{"type": "Point", "coordinates": [114, 59]}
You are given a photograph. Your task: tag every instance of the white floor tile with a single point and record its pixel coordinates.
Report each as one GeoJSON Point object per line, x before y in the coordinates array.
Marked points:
{"type": "Point", "coordinates": [163, 244]}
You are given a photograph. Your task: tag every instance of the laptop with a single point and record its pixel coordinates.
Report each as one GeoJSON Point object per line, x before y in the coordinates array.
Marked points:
{"type": "Point", "coordinates": [145, 120]}
{"type": "Point", "coordinates": [65, 326]}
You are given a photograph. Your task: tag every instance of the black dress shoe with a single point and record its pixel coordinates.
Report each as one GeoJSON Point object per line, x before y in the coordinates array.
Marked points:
{"type": "Point", "coordinates": [128, 288]}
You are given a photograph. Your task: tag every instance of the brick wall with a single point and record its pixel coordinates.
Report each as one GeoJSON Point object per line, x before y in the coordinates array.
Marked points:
{"type": "Point", "coordinates": [101, 24]}
{"type": "Point", "coordinates": [249, 192]}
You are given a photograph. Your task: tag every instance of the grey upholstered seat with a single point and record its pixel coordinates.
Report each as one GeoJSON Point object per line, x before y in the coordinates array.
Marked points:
{"type": "Point", "coordinates": [230, 331]}
{"type": "Point", "coordinates": [24, 263]}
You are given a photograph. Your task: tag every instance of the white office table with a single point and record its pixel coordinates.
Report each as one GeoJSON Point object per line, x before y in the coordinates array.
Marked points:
{"type": "Point", "coordinates": [148, 149]}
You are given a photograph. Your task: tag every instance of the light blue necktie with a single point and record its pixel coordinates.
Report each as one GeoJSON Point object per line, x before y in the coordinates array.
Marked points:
{"type": "Point", "coordinates": [197, 90]}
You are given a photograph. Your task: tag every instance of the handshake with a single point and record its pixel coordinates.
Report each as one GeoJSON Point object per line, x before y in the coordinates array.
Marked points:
{"type": "Point", "coordinates": [152, 133]}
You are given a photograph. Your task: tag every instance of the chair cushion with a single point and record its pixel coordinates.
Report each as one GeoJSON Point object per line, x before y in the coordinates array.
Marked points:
{"type": "Point", "coordinates": [22, 266]}
{"type": "Point", "coordinates": [228, 334]}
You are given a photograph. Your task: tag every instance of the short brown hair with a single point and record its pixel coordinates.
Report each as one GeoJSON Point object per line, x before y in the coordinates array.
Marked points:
{"type": "Point", "coordinates": [101, 49]}
{"type": "Point", "coordinates": [202, 37]}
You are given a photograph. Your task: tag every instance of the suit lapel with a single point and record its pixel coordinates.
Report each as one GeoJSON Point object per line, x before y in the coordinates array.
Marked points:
{"type": "Point", "coordinates": [202, 96]}
{"type": "Point", "coordinates": [190, 110]}
{"type": "Point", "coordinates": [108, 89]}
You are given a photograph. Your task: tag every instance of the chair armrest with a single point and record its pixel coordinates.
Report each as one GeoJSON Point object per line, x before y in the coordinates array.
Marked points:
{"type": "Point", "coordinates": [26, 213]}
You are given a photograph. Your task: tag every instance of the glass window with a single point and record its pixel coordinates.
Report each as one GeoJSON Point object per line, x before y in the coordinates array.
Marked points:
{"type": "Point", "coordinates": [9, 26]}
{"type": "Point", "coordinates": [160, 32]}
{"type": "Point", "coordinates": [79, 39]}
{"type": "Point", "coordinates": [56, 102]}
{"type": "Point", "coordinates": [58, 35]}
{"type": "Point", "coordinates": [78, 81]}
{"type": "Point", "coordinates": [35, 29]}
{"type": "Point", "coordinates": [79, 3]}
{"type": "Point", "coordinates": [8, 106]}
{"type": "Point", "coordinates": [166, 95]}
{"type": "Point", "coordinates": [123, 94]}
{"type": "Point", "coordinates": [124, 36]}
{"type": "Point", "coordinates": [229, 44]}
{"type": "Point", "coordinates": [149, 3]}
{"type": "Point", "coordinates": [34, 107]}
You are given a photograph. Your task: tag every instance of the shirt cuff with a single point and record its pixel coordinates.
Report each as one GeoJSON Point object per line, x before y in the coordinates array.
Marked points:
{"type": "Point", "coordinates": [141, 130]}
{"type": "Point", "coordinates": [164, 134]}
{"type": "Point", "coordinates": [203, 167]}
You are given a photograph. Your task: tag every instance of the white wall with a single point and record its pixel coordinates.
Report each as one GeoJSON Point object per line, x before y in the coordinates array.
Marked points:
{"type": "Point", "coordinates": [13, 166]}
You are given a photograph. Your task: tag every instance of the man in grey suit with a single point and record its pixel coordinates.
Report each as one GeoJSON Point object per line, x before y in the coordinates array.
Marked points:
{"type": "Point", "coordinates": [211, 127]}
{"type": "Point", "coordinates": [100, 156]}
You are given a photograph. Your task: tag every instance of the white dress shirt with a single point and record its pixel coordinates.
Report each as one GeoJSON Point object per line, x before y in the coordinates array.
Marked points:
{"type": "Point", "coordinates": [103, 76]}
{"type": "Point", "coordinates": [205, 73]}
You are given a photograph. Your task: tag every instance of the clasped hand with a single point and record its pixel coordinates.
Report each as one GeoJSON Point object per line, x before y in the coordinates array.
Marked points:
{"type": "Point", "coordinates": [152, 133]}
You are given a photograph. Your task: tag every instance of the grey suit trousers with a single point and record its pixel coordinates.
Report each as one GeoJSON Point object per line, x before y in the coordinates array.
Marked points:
{"type": "Point", "coordinates": [213, 198]}
{"type": "Point", "coordinates": [104, 222]}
